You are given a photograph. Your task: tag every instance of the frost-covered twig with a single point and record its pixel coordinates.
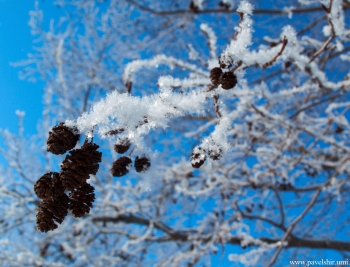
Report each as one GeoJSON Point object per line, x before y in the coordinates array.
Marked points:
{"type": "Point", "coordinates": [295, 222]}
{"type": "Point", "coordinates": [284, 43]}
{"type": "Point", "coordinates": [332, 33]}
{"type": "Point", "coordinates": [216, 105]}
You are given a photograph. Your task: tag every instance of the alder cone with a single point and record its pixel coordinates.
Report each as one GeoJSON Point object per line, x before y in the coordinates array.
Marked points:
{"type": "Point", "coordinates": [50, 211]}
{"type": "Point", "coordinates": [49, 186]}
{"type": "Point", "coordinates": [228, 80]}
{"type": "Point", "coordinates": [122, 145]}
{"type": "Point", "coordinates": [142, 164]}
{"type": "Point", "coordinates": [225, 5]}
{"type": "Point", "coordinates": [44, 220]}
{"type": "Point", "coordinates": [193, 7]}
{"type": "Point", "coordinates": [198, 157]}
{"type": "Point", "coordinates": [43, 186]}
{"type": "Point", "coordinates": [61, 139]}
{"type": "Point", "coordinates": [215, 75]}
{"type": "Point", "coordinates": [57, 186]}
{"type": "Point", "coordinates": [77, 167]}
{"type": "Point", "coordinates": [81, 200]}
{"type": "Point", "coordinates": [121, 166]}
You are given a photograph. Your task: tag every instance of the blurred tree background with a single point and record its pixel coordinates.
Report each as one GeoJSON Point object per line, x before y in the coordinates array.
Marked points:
{"type": "Point", "coordinates": [240, 108]}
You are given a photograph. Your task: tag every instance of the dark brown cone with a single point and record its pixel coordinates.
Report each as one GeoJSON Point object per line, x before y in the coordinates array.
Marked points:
{"type": "Point", "coordinates": [224, 5]}
{"type": "Point", "coordinates": [61, 139]}
{"type": "Point", "coordinates": [50, 211]}
{"type": "Point", "coordinates": [44, 220]}
{"type": "Point", "coordinates": [43, 186]}
{"type": "Point", "coordinates": [81, 200]}
{"type": "Point", "coordinates": [215, 75]}
{"type": "Point", "coordinates": [122, 145]}
{"type": "Point", "coordinates": [193, 7]}
{"type": "Point", "coordinates": [121, 166]}
{"type": "Point", "coordinates": [198, 157]}
{"type": "Point", "coordinates": [57, 187]}
{"type": "Point", "coordinates": [228, 80]}
{"type": "Point", "coordinates": [77, 166]}
{"type": "Point", "coordinates": [142, 164]}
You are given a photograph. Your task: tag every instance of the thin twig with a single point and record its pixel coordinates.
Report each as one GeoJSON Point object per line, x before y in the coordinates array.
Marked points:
{"type": "Point", "coordinates": [312, 24]}
{"type": "Point", "coordinates": [301, 216]}
{"type": "Point", "coordinates": [216, 105]}
{"type": "Point", "coordinates": [255, 217]}
{"type": "Point", "coordinates": [284, 43]}
{"type": "Point", "coordinates": [212, 48]}
{"type": "Point", "coordinates": [120, 130]}
{"type": "Point", "coordinates": [324, 46]}
{"type": "Point", "coordinates": [223, 10]}
{"type": "Point", "coordinates": [280, 205]}
{"type": "Point", "coordinates": [294, 223]}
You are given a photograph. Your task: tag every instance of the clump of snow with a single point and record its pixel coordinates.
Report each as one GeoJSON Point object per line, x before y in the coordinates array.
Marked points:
{"type": "Point", "coordinates": [245, 7]}
{"type": "Point", "coordinates": [127, 112]}
{"type": "Point", "coordinates": [337, 17]}
{"type": "Point", "coordinates": [238, 47]}
{"type": "Point", "coordinates": [289, 11]}
{"type": "Point", "coordinates": [290, 33]}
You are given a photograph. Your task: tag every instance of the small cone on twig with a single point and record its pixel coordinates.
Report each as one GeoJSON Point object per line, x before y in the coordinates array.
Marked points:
{"type": "Point", "coordinates": [49, 186]}
{"type": "Point", "coordinates": [77, 167]}
{"type": "Point", "coordinates": [43, 186]}
{"type": "Point", "coordinates": [50, 211]}
{"type": "Point", "coordinates": [142, 164]}
{"type": "Point", "coordinates": [198, 157]}
{"type": "Point", "coordinates": [228, 80]}
{"type": "Point", "coordinates": [61, 139]}
{"type": "Point", "coordinates": [122, 145]}
{"type": "Point", "coordinates": [57, 186]}
{"type": "Point", "coordinates": [225, 5]}
{"type": "Point", "coordinates": [193, 7]}
{"type": "Point", "coordinates": [121, 166]}
{"type": "Point", "coordinates": [215, 75]}
{"type": "Point", "coordinates": [81, 200]}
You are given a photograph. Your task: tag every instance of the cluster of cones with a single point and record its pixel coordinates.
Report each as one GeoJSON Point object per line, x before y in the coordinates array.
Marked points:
{"type": "Point", "coordinates": [226, 78]}
{"type": "Point", "coordinates": [199, 155]}
{"type": "Point", "coordinates": [75, 170]}
{"type": "Point", "coordinates": [122, 165]}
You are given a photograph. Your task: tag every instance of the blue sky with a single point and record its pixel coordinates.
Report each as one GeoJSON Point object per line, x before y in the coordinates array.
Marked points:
{"type": "Point", "coordinates": [16, 42]}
